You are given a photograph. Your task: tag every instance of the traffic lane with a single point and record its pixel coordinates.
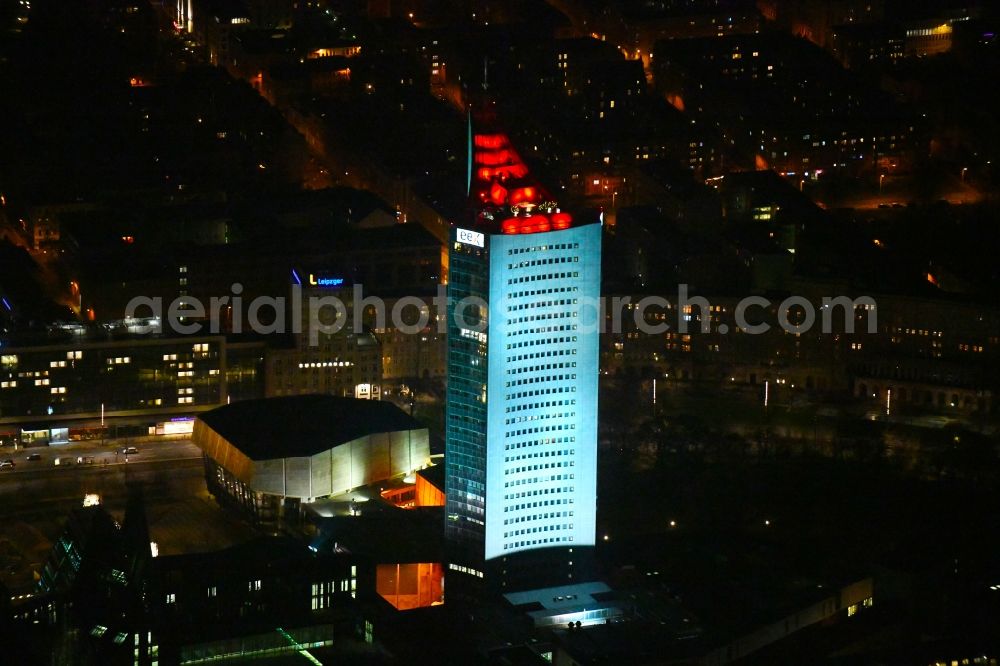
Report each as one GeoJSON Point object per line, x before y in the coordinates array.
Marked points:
{"type": "Point", "coordinates": [60, 488]}
{"type": "Point", "coordinates": [109, 452]}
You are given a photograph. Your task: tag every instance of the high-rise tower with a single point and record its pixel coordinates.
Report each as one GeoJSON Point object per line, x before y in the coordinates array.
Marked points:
{"type": "Point", "coordinates": [521, 430]}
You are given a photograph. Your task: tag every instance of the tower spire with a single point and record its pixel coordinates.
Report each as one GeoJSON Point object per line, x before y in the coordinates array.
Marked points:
{"type": "Point", "coordinates": [468, 165]}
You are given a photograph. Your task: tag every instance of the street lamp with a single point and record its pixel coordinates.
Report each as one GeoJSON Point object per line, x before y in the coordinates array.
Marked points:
{"type": "Point", "coordinates": [881, 179]}
{"type": "Point", "coordinates": [964, 169]}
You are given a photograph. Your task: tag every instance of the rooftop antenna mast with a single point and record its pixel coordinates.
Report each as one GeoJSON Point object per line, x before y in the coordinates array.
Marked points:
{"type": "Point", "coordinates": [468, 154]}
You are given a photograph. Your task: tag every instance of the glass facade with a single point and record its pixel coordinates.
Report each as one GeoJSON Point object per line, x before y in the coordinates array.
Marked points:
{"type": "Point", "coordinates": [465, 412]}
{"type": "Point", "coordinates": [522, 395]}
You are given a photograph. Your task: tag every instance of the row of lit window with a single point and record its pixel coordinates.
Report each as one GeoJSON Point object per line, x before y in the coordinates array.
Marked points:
{"type": "Point", "coordinates": [539, 479]}
{"type": "Point", "coordinates": [538, 330]}
{"type": "Point", "coordinates": [540, 466]}
{"type": "Point", "coordinates": [532, 505]}
{"type": "Point", "coordinates": [546, 391]}
{"type": "Point", "coordinates": [326, 364]}
{"type": "Point", "coordinates": [535, 542]}
{"type": "Point", "coordinates": [542, 262]}
{"type": "Point", "coordinates": [544, 276]}
{"type": "Point", "coordinates": [538, 454]}
{"type": "Point", "coordinates": [538, 492]}
{"type": "Point", "coordinates": [917, 331]}
{"type": "Point", "coordinates": [542, 292]}
{"type": "Point", "coordinates": [544, 366]}
{"type": "Point", "coordinates": [941, 31]}
{"type": "Point", "coordinates": [547, 354]}
{"type": "Point", "coordinates": [99, 630]}
{"type": "Point", "coordinates": [466, 570]}
{"type": "Point", "coordinates": [548, 428]}
{"type": "Point", "coordinates": [536, 530]}
{"type": "Point", "coordinates": [322, 592]}
{"type": "Point", "coordinates": [536, 248]}
{"type": "Point", "coordinates": [547, 316]}
{"type": "Point", "coordinates": [539, 516]}
{"type": "Point", "coordinates": [538, 417]}
{"type": "Point", "coordinates": [536, 380]}
{"type": "Point", "coordinates": [541, 405]}
{"type": "Point", "coordinates": [544, 341]}
{"type": "Point", "coordinates": [853, 608]}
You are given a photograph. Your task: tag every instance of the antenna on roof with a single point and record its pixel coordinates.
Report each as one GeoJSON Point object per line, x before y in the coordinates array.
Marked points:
{"type": "Point", "coordinates": [468, 165]}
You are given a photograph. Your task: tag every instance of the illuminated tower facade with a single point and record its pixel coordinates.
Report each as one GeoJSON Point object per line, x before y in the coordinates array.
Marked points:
{"type": "Point", "coordinates": [521, 431]}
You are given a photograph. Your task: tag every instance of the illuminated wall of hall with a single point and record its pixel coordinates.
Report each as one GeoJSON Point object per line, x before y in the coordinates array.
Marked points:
{"type": "Point", "coordinates": [335, 470]}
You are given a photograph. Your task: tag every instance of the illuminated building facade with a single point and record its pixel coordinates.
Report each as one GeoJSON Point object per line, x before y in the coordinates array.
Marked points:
{"type": "Point", "coordinates": [105, 596]}
{"type": "Point", "coordinates": [344, 363]}
{"type": "Point", "coordinates": [148, 376]}
{"type": "Point", "coordinates": [267, 457]}
{"type": "Point", "coordinates": [522, 380]}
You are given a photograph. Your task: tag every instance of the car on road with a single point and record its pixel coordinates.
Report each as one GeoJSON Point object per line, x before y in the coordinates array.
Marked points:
{"type": "Point", "coordinates": [34, 456]}
{"type": "Point", "coordinates": [130, 450]}
{"type": "Point", "coordinates": [84, 460]}
{"type": "Point", "coordinates": [6, 464]}
{"type": "Point", "coordinates": [62, 462]}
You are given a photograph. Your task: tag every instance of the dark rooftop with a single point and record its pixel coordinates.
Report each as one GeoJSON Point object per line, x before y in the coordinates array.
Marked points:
{"type": "Point", "coordinates": [303, 425]}
{"type": "Point", "coordinates": [386, 534]}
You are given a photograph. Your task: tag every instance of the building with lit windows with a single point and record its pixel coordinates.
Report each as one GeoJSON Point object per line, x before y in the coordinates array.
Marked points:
{"type": "Point", "coordinates": [345, 362]}
{"type": "Point", "coordinates": [521, 422]}
{"type": "Point", "coordinates": [128, 377]}
{"type": "Point", "coordinates": [806, 115]}
{"type": "Point", "coordinates": [106, 596]}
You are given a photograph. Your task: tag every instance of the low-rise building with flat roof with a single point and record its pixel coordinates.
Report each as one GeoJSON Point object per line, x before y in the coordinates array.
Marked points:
{"type": "Point", "coordinates": [269, 456]}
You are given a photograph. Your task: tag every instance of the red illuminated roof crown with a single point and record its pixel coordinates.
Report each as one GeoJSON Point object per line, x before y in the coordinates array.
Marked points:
{"type": "Point", "coordinates": [502, 192]}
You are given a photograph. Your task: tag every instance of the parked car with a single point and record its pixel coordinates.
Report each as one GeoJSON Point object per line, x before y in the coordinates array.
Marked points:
{"type": "Point", "coordinates": [62, 462]}
{"type": "Point", "coordinates": [6, 464]}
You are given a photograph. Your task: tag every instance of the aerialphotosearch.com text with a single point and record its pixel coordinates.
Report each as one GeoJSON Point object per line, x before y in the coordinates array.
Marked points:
{"type": "Point", "coordinates": [328, 314]}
